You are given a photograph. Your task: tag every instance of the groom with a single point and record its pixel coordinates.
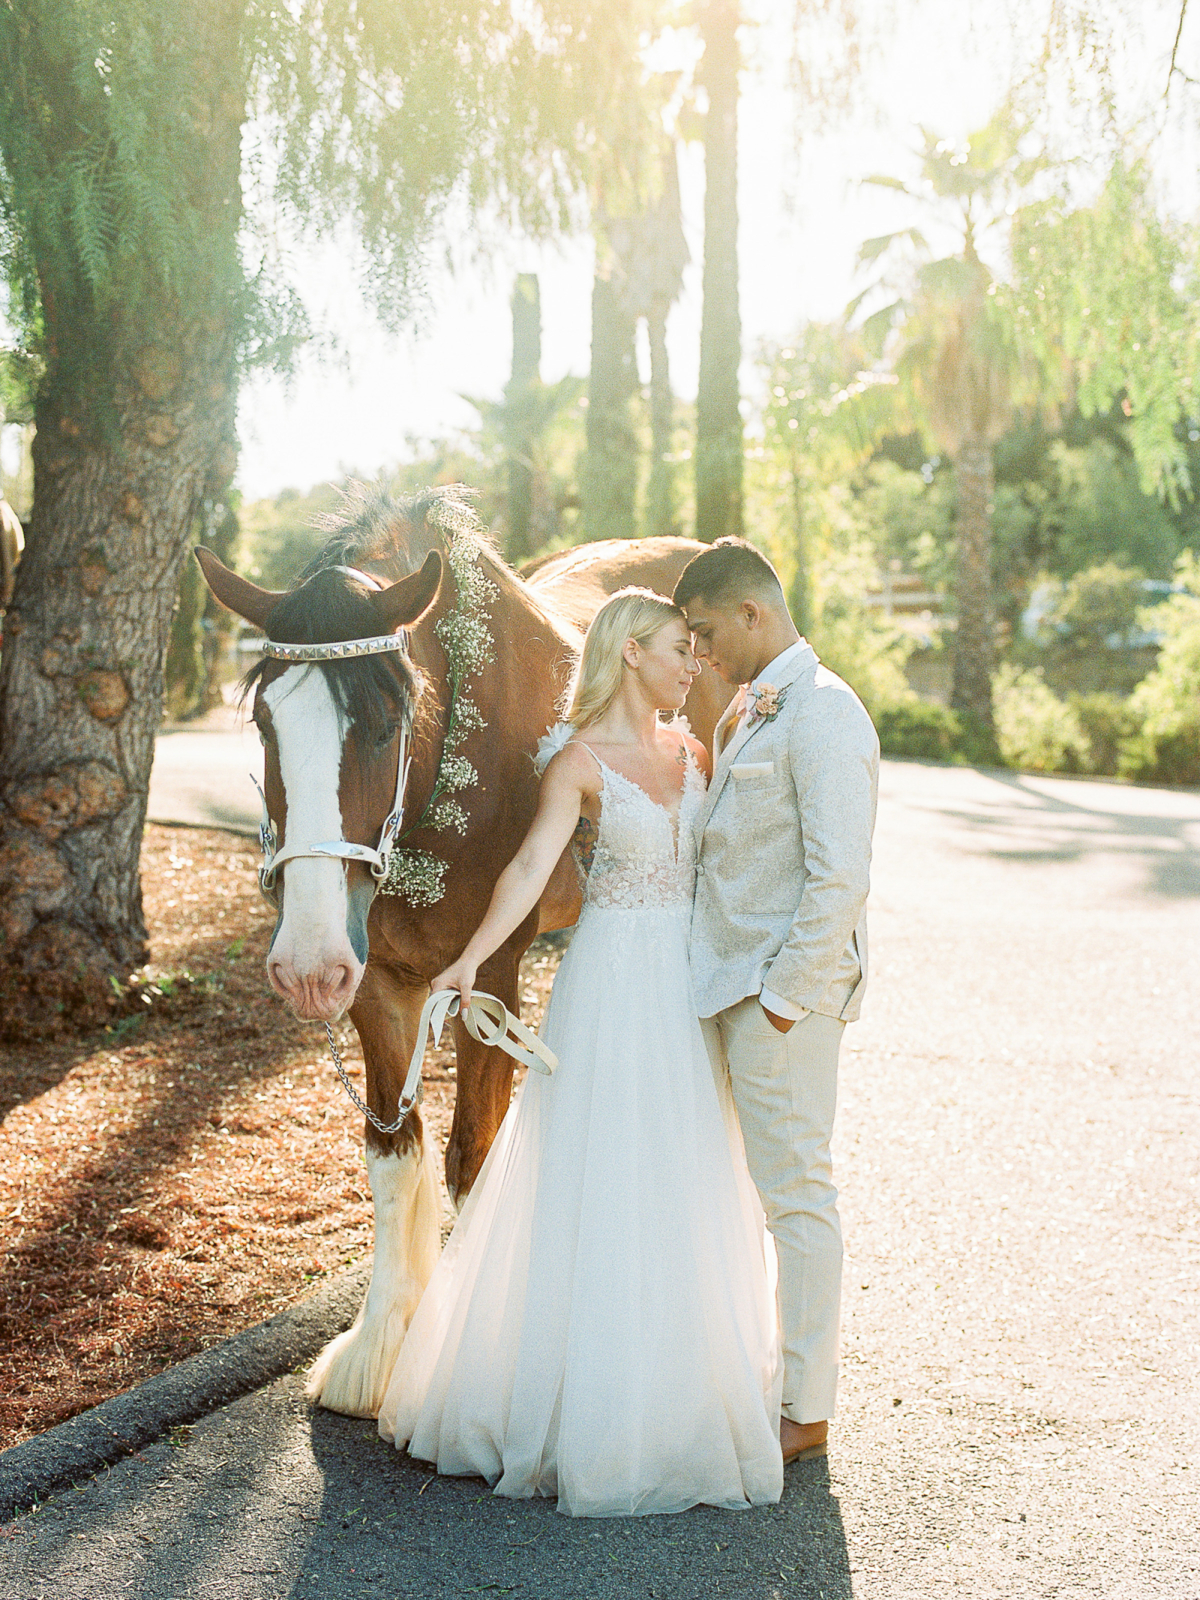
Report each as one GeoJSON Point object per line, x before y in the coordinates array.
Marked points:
{"type": "Point", "coordinates": [779, 938]}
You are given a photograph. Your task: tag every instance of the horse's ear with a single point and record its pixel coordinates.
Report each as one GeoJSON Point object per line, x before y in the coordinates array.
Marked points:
{"type": "Point", "coordinates": [239, 595]}
{"type": "Point", "coordinates": [406, 602]}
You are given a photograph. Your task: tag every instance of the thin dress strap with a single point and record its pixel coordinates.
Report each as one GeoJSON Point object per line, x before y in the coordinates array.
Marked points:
{"type": "Point", "coordinates": [583, 745]}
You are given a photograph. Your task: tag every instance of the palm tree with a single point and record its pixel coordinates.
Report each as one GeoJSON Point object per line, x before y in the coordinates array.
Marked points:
{"type": "Point", "coordinates": [953, 343]}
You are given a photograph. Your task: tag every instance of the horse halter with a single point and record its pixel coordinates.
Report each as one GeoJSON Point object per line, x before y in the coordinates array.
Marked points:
{"type": "Point", "coordinates": [338, 849]}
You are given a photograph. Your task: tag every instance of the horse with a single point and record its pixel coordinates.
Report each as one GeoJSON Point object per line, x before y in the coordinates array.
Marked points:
{"type": "Point", "coordinates": [12, 543]}
{"type": "Point", "coordinates": [425, 640]}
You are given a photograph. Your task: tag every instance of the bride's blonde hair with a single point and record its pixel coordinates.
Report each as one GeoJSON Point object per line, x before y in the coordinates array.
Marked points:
{"type": "Point", "coordinates": [635, 614]}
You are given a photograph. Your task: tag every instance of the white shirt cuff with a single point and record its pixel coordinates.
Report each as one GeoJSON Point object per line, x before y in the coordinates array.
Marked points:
{"type": "Point", "coordinates": [782, 1008]}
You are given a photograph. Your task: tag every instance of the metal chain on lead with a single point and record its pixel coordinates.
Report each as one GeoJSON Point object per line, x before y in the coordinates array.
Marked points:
{"type": "Point", "coordinates": [384, 1127]}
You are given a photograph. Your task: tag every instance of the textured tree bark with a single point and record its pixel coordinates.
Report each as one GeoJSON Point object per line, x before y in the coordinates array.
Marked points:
{"type": "Point", "coordinates": [718, 419]}
{"type": "Point", "coordinates": [118, 479]}
{"type": "Point", "coordinates": [610, 466]}
{"type": "Point", "coordinates": [81, 683]}
{"type": "Point", "coordinates": [971, 688]}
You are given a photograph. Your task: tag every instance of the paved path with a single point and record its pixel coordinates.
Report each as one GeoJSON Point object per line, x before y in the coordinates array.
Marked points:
{"type": "Point", "coordinates": [1017, 1151]}
{"type": "Point", "coordinates": [202, 776]}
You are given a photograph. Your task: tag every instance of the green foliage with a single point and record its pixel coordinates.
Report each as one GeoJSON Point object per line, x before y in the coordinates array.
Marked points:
{"type": "Point", "coordinates": [118, 173]}
{"type": "Point", "coordinates": [541, 425]}
{"type": "Point", "coordinates": [1103, 513]}
{"type": "Point", "coordinates": [1167, 748]}
{"type": "Point", "coordinates": [1097, 605]}
{"type": "Point", "coordinates": [1034, 728]}
{"type": "Point", "coordinates": [1109, 724]}
{"type": "Point", "coordinates": [948, 334]}
{"type": "Point", "coordinates": [131, 136]}
{"type": "Point", "coordinates": [919, 729]}
{"type": "Point", "coordinates": [280, 537]}
{"type": "Point", "coordinates": [856, 642]}
{"type": "Point", "coordinates": [1112, 286]}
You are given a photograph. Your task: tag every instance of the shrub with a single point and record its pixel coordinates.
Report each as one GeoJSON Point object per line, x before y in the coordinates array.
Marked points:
{"type": "Point", "coordinates": [1108, 724]}
{"type": "Point", "coordinates": [1098, 608]}
{"type": "Point", "coordinates": [1172, 757]}
{"type": "Point", "coordinates": [1167, 701]}
{"type": "Point", "coordinates": [918, 729]}
{"type": "Point", "coordinates": [1034, 728]}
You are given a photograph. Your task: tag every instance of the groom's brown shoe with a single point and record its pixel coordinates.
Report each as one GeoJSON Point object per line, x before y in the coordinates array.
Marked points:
{"type": "Point", "coordinates": [802, 1441]}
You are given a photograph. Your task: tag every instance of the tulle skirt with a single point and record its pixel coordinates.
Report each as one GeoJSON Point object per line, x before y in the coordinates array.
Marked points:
{"type": "Point", "coordinates": [602, 1323]}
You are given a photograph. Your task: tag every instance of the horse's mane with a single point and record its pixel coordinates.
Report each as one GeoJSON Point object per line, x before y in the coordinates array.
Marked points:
{"type": "Point", "coordinates": [372, 524]}
{"type": "Point", "coordinates": [374, 527]}
{"type": "Point", "coordinates": [326, 605]}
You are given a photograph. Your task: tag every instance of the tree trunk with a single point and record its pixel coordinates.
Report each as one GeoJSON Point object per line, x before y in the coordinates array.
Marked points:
{"type": "Point", "coordinates": [82, 682]}
{"type": "Point", "coordinates": [122, 460]}
{"type": "Point", "coordinates": [718, 419]}
{"type": "Point", "coordinates": [610, 466]}
{"type": "Point", "coordinates": [661, 515]}
{"type": "Point", "coordinates": [799, 597]}
{"type": "Point", "coordinates": [971, 689]}
{"type": "Point", "coordinates": [526, 359]}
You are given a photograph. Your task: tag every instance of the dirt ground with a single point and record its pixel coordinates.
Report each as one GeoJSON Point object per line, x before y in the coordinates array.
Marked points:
{"type": "Point", "coordinates": [187, 1172]}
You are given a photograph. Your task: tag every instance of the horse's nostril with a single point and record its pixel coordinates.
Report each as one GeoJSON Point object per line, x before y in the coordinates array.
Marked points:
{"type": "Point", "coordinates": [341, 979]}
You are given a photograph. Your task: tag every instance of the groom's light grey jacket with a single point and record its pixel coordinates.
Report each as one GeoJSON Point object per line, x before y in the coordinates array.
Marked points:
{"type": "Point", "coordinates": [784, 851]}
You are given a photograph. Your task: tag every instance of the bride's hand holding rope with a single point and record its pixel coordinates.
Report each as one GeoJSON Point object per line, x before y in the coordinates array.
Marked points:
{"type": "Point", "coordinates": [569, 777]}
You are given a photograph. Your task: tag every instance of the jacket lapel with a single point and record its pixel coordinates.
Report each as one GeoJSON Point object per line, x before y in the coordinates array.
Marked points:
{"type": "Point", "coordinates": [804, 664]}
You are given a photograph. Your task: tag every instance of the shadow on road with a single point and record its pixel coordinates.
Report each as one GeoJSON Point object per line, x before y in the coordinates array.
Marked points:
{"type": "Point", "coordinates": [395, 1521]}
{"type": "Point", "coordinates": [1162, 839]}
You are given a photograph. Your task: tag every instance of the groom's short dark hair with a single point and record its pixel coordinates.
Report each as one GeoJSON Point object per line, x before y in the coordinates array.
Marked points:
{"type": "Point", "coordinates": [728, 570]}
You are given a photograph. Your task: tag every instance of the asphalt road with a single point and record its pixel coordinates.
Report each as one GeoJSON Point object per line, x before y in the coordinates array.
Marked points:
{"type": "Point", "coordinates": [1017, 1149]}
{"type": "Point", "coordinates": [202, 775]}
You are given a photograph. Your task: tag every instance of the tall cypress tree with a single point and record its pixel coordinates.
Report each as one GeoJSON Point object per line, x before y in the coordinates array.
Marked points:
{"type": "Point", "coordinates": [520, 397]}
{"type": "Point", "coordinates": [610, 464]}
{"type": "Point", "coordinates": [718, 418]}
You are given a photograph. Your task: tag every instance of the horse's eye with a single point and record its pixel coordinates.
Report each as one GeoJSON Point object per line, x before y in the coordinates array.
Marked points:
{"type": "Point", "coordinates": [388, 734]}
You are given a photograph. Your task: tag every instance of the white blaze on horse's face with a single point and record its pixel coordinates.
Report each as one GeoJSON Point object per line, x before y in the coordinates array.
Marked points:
{"type": "Point", "coordinates": [312, 962]}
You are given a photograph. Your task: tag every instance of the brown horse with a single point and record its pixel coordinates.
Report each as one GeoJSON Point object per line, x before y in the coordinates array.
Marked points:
{"type": "Point", "coordinates": [12, 543]}
{"type": "Point", "coordinates": [477, 682]}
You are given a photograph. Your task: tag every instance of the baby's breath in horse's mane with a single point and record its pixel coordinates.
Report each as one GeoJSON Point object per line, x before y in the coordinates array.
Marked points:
{"type": "Point", "coordinates": [372, 524]}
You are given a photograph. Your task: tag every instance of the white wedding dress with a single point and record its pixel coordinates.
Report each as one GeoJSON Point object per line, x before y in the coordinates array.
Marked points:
{"type": "Point", "coordinates": [602, 1324]}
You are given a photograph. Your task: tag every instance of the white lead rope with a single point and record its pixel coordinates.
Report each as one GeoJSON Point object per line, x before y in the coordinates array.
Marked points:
{"type": "Point", "coordinates": [486, 1019]}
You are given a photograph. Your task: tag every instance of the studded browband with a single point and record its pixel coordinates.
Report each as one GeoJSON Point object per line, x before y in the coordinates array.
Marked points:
{"type": "Point", "coordinates": [347, 648]}
{"type": "Point", "coordinates": [337, 652]}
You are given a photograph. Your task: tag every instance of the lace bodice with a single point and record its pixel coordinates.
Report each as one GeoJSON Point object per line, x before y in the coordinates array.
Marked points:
{"type": "Point", "coordinates": [643, 858]}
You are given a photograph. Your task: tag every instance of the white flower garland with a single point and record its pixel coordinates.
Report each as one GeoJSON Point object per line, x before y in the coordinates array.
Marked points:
{"type": "Point", "coordinates": [465, 635]}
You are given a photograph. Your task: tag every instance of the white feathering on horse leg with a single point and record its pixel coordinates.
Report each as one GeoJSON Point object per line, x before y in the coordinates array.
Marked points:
{"type": "Point", "coordinates": [351, 1374]}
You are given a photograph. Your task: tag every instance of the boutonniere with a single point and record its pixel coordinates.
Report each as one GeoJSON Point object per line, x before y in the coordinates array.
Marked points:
{"type": "Point", "coordinates": [765, 702]}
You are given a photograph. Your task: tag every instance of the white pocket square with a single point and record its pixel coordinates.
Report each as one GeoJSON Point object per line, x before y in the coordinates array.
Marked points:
{"type": "Point", "coordinates": [752, 769]}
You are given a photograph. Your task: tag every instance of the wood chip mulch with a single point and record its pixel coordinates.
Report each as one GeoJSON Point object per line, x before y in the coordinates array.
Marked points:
{"type": "Point", "coordinates": [189, 1171]}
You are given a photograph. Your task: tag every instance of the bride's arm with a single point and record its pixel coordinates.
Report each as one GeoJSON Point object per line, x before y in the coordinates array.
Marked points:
{"type": "Point", "coordinates": [569, 777]}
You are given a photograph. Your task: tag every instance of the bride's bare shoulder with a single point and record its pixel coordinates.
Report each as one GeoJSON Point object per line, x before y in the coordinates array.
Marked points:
{"type": "Point", "coordinates": [574, 765]}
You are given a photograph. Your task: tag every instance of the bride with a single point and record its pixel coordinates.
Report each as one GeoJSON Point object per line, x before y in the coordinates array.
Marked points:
{"type": "Point", "coordinates": [601, 1325]}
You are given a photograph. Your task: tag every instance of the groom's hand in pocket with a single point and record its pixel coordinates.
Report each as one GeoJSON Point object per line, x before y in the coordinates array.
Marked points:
{"type": "Point", "coordinates": [780, 1024]}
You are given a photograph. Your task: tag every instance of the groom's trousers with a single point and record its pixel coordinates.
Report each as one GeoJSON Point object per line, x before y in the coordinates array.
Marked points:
{"type": "Point", "coordinates": [785, 1090]}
